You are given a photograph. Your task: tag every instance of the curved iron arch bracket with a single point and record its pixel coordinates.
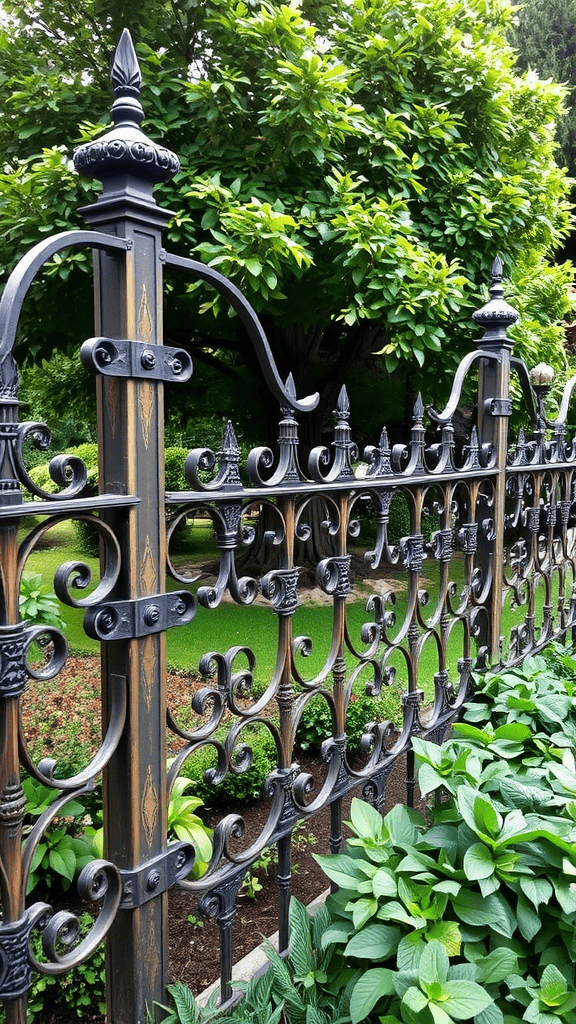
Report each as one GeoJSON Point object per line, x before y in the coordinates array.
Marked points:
{"type": "Point", "coordinates": [458, 384]}
{"type": "Point", "coordinates": [21, 278]}
{"type": "Point", "coordinates": [252, 324]}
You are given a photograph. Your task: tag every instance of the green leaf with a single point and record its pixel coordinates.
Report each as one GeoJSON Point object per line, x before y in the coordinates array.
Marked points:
{"type": "Point", "coordinates": [254, 267]}
{"type": "Point", "coordinates": [448, 934]}
{"type": "Point", "coordinates": [478, 862]}
{"type": "Point", "coordinates": [529, 922]}
{"type": "Point", "coordinates": [371, 986]}
{"type": "Point", "coordinates": [63, 861]}
{"type": "Point", "coordinates": [375, 942]}
{"type": "Point", "coordinates": [491, 911]}
{"type": "Point", "coordinates": [384, 883]}
{"type": "Point", "coordinates": [413, 1003]}
{"type": "Point", "coordinates": [464, 999]}
{"type": "Point", "coordinates": [478, 812]}
{"type": "Point", "coordinates": [553, 987]}
{"type": "Point", "coordinates": [433, 966]}
{"type": "Point", "coordinates": [410, 949]}
{"type": "Point", "coordinates": [362, 911]}
{"type": "Point", "coordinates": [497, 966]}
{"type": "Point", "coordinates": [365, 819]}
{"type": "Point", "coordinates": [342, 869]}
{"type": "Point", "coordinates": [338, 932]}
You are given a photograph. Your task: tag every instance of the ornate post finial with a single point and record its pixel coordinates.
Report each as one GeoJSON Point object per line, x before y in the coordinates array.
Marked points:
{"type": "Point", "coordinates": [126, 149]}
{"type": "Point", "coordinates": [126, 83]}
{"type": "Point", "coordinates": [496, 316]}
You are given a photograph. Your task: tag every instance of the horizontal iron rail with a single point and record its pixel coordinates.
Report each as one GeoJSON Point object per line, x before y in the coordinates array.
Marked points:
{"type": "Point", "coordinates": [48, 508]}
{"type": "Point", "coordinates": [337, 486]}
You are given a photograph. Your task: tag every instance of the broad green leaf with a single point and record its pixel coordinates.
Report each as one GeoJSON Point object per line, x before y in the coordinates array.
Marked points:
{"type": "Point", "coordinates": [410, 949]}
{"type": "Point", "coordinates": [553, 986]}
{"type": "Point", "coordinates": [479, 814]}
{"type": "Point", "coordinates": [478, 862]}
{"type": "Point", "coordinates": [491, 1015]}
{"type": "Point", "coordinates": [529, 922]}
{"type": "Point", "coordinates": [414, 1002]}
{"type": "Point", "coordinates": [375, 942]}
{"type": "Point", "coordinates": [394, 911]}
{"type": "Point", "coordinates": [63, 862]}
{"type": "Point", "coordinates": [362, 911]}
{"type": "Point", "coordinates": [565, 894]}
{"type": "Point", "coordinates": [513, 731]}
{"type": "Point", "coordinates": [366, 820]}
{"type": "Point", "coordinates": [429, 779]}
{"type": "Point", "coordinates": [340, 868]}
{"type": "Point", "coordinates": [401, 824]}
{"type": "Point", "coordinates": [492, 911]}
{"type": "Point", "coordinates": [339, 931]}
{"type": "Point", "coordinates": [384, 883]}
{"type": "Point", "coordinates": [369, 988]}
{"type": "Point", "coordinates": [433, 966]}
{"type": "Point", "coordinates": [254, 266]}
{"type": "Point", "coordinates": [464, 999]}
{"type": "Point", "coordinates": [448, 934]}
{"type": "Point", "coordinates": [497, 966]}
{"type": "Point", "coordinates": [439, 1016]}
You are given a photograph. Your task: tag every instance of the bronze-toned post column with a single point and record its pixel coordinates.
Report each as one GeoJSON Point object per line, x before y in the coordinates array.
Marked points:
{"type": "Point", "coordinates": [13, 678]}
{"type": "Point", "coordinates": [128, 299]}
{"type": "Point", "coordinates": [494, 408]}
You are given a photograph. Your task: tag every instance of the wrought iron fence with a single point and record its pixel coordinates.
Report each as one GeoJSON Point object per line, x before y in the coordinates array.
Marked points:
{"type": "Point", "coordinates": [490, 538]}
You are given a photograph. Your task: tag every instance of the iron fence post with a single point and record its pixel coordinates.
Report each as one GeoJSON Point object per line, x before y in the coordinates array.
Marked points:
{"type": "Point", "coordinates": [494, 409]}
{"type": "Point", "coordinates": [13, 678]}
{"type": "Point", "coordinates": [128, 297]}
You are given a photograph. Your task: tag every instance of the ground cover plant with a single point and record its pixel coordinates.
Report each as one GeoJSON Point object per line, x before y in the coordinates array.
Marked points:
{"type": "Point", "coordinates": [469, 913]}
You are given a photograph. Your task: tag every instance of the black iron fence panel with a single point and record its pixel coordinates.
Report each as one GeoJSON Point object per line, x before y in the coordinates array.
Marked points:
{"type": "Point", "coordinates": [426, 561]}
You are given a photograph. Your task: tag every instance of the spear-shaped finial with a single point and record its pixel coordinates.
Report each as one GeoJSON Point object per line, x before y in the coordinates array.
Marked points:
{"type": "Point", "coordinates": [126, 82]}
{"type": "Point", "coordinates": [496, 316]}
{"type": "Point", "coordinates": [126, 149]}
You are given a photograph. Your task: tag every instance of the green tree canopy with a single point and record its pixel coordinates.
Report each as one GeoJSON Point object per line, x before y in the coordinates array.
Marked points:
{"type": "Point", "coordinates": [353, 166]}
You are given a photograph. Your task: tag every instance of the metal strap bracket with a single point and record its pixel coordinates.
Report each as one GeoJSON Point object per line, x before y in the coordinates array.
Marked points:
{"type": "Point", "coordinates": [115, 357]}
{"type": "Point", "coordinates": [124, 620]}
{"type": "Point", "coordinates": [498, 407]}
{"type": "Point", "coordinates": [156, 876]}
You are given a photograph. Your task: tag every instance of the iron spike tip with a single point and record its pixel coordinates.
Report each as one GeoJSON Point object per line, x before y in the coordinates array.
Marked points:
{"type": "Point", "coordinates": [290, 386]}
{"type": "Point", "coordinates": [497, 271]}
{"type": "Point", "coordinates": [343, 403]}
{"type": "Point", "coordinates": [229, 439]}
{"type": "Point", "coordinates": [125, 74]}
{"type": "Point", "coordinates": [418, 408]}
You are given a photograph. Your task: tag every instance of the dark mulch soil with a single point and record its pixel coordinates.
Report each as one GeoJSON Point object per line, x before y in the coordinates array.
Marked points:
{"type": "Point", "coordinates": [193, 949]}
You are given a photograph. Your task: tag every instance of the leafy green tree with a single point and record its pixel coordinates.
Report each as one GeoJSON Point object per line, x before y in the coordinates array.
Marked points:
{"type": "Point", "coordinates": [353, 167]}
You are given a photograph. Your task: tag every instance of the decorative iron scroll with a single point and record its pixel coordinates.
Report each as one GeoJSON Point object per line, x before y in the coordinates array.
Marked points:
{"type": "Point", "coordinates": [462, 510]}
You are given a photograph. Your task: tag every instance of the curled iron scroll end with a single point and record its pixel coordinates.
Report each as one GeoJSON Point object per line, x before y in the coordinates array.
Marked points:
{"type": "Point", "coordinates": [306, 404]}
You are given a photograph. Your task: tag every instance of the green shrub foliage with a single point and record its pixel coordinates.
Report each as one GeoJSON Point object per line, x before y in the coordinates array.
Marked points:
{"type": "Point", "coordinates": [469, 913]}
{"type": "Point", "coordinates": [243, 780]}
{"type": "Point", "coordinates": [74, 995]}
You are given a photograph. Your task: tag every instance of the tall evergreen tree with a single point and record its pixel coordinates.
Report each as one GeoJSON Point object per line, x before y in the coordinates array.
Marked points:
{"type": "Point", "coordinates": [545, 37]}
